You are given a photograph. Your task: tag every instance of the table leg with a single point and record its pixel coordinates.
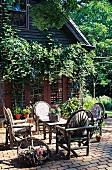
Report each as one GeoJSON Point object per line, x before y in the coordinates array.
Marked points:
{"type": "Point", "coordinates": [50, 134]}
{"type": "Point", "coordinates": [44, 131]}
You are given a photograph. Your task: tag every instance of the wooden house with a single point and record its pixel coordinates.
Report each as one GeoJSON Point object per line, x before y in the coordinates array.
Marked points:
{"type": "Point", "coordinates": [38, 89]}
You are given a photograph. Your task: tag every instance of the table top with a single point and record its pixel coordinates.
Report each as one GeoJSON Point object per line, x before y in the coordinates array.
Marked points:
{"type": "Point", "coordinates": [48, 122]}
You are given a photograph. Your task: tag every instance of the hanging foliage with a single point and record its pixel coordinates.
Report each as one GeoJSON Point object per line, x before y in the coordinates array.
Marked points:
{"type": "Point", "coordinates": [23, 60]}
{"type": "Point", "coordinates": [52, 13]}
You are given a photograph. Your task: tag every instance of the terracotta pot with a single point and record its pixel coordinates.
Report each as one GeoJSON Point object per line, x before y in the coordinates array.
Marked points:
{"type": "Point", "coordinates": [26, 115]}
{"type": "Point", "coordinates": [17, 116]}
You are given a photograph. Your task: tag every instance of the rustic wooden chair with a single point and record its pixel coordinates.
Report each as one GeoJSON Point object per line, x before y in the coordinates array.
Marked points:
{"type": "Point", "coordinates": [98, 112]}
{"type": "Point", "coordinates": [76, 131]}
{"type": "Point", "coordinates": [41, 110]}
{"type": "Point", "coordinates": [14, 132]}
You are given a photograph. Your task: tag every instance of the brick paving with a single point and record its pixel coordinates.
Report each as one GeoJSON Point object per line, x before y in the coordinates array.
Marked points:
{"type": "Point", "coordinates": [100, 157]}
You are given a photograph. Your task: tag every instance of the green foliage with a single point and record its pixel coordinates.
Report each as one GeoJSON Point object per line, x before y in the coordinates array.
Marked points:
{"type": "Point", "coordinates": [106, 101]}
{"type": "Point", "coordinates": [16, 58]}
{"type": "Point", "coordinates": [16, 109]}
{"type": "Point", "coordinates": [22, 60]}
{"type": "Point", "coordinates": [26, 111]}
{"type": "Point", "coordinates": [52, 13]}
{"type": "Point", "coordinates": [70, 106]}
{"type": "Point", "coordinates": [94, 20]}
{"type": "Point", "coordinates": [56, 111]}
{"type": "Point", "coordinates": [88, 102]}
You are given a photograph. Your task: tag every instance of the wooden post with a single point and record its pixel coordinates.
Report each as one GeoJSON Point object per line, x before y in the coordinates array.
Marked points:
{"type": "Point", "coordinates": [7, 95]}
{"type": "Point", "coordinates": [46, 89]}
{"type": "Point", "coordinates": [64, 88]}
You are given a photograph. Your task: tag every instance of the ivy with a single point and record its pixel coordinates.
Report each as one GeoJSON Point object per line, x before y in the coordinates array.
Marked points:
{"type": "Point", "coordinates": [24, 60]}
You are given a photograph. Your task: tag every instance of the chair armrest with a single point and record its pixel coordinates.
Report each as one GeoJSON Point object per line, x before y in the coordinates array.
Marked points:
{"type": "Point", "coordinates": [74, 129]}
{"type": "Point", "coordinates": [60, 127]}
{"type": "Point", "coordinates": [80, 128]}
{"type": "Point", "coordinates": [22, 125]}
{"type": "Point", "coordinates": [20, 121]}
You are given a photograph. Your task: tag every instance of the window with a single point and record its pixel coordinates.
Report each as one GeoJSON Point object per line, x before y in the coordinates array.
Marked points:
{"type": "Point", "coordinates": [56, 95]}
{"type": "Point", "coordinates": [19, 14]}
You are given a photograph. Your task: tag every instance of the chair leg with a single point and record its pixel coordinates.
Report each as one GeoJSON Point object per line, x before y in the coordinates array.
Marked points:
{"type": "Point", "coordinates": [6, 138]}
{"type": "Point", "coordinates": [100, 130]}
{"type": "Point", "coordinates": [57, 147]}
{"type": "Point", "coordinates": [69, 146]}
{"type": "Point", "coordinates": [88, 139]}
{"type": "Point", "coordinates": [36, 126]}
{"type": "Point", "coordinates": [30, 132]}
{"type": "Point", "coordinates": [11, 142]}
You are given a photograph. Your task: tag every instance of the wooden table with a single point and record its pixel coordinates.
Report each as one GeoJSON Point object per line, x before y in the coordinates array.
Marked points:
{"type": "Point", "coordinates": [51, 126]}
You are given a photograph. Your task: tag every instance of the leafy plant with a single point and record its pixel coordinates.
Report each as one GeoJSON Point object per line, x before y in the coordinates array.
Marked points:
{"type": "Point", "coordinates": [55, 111]}
{"type": "Point", "coordinates": [48, 14]}
{"type": "Point", "coordinates": [107, 101]}
{"type": "Point", "coordinates": [70, 106]}
{"type": "Point", "coordinates": [16, 110]}
{"type": "Point", "coordinates": [26, 111]}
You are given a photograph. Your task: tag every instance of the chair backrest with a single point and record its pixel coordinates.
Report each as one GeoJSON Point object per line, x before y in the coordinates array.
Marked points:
{"type": "Point", "coordinates": [9, 126]}
{"type": "Point", "coordinates": [11, 116]}
{"type": "Point", "coordinates": [98, 110]}
{"type": "Point", "coordinates": [78, 119]}
{"type": "Point", "coordinates": [8, 117]}
{"type": "Point", "coordinates": [41, 109]}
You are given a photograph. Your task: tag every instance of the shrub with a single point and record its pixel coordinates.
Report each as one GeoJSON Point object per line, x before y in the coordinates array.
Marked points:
{"type": "Point", "coordinates": [70, 106]}
{"type": "Point", "coordinates": [106, 101]}
{"type": "Point", "coordinates": [88, 102]}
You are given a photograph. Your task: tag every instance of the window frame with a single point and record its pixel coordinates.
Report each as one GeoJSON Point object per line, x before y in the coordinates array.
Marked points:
{"type": "Point", "coordinates": [27, 16]}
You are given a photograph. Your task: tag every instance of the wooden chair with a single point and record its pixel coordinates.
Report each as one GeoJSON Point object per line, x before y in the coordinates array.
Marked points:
{"type": "Point", "coordinates": [15, 132]}
{"type": "Point", "coordinates": [41, 110]}
{"type": "Point", "coordinates": [76, 131]}
{"type": "Point", "coordinates": [98, 112]}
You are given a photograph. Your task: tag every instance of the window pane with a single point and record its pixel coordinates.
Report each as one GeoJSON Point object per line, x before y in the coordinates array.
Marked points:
{"type": "Point", "coordinates": [23, 5]}
{"type": "Point", "coordinates": [18, 19]}
{"type": "Point", "coordinates": [22, 19]}
{"type": "Point", "coordinates": [19, 5]}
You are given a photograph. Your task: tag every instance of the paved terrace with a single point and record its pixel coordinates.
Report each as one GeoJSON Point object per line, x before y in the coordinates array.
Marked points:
{"type": "Point", "coordinates": [100, 157]}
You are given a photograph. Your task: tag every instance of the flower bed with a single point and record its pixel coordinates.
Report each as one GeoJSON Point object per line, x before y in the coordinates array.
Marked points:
{"type": "Point", "coordinates": [32, 152]}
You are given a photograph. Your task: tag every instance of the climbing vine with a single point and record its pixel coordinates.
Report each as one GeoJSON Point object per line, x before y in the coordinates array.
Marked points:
{"type": "Point", "coordinates": [24, 60]}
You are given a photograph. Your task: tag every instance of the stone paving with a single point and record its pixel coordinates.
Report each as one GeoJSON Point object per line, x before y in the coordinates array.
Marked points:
{"type": "Point", "coordinates": [100, 157]}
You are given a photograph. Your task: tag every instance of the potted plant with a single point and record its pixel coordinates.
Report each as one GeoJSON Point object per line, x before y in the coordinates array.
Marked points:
{"type": "Point", "coordinates": [26, 112]}
{"type": "Point", "coordinates": [17, 112]}
{"type": "Point", "coordinates": [55, 114]}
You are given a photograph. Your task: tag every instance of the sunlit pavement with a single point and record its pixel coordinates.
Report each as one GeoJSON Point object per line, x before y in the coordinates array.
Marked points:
{"type": "Point", "coordinates": [100, 157]}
